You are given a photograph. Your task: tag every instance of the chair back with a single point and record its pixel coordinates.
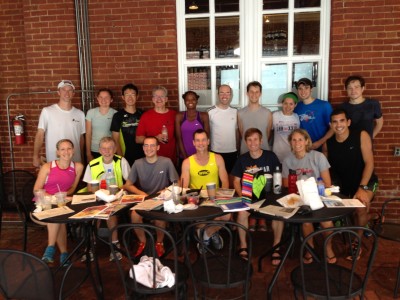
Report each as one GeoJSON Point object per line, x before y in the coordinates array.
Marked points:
{"type": "Point", "coordinates": [24, 276]}
{"type": "Point", "coordinates": [343, 280]}
{"type": "Point", "coordinates": [217, 269]}
{"type": "Point", "coordinates": [132, 287]}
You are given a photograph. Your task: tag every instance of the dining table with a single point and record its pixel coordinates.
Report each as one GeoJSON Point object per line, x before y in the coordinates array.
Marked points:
{"type": "Point", "coordinates": [87, 245]}
{"type": "Point", "coordinates": [295, 223]}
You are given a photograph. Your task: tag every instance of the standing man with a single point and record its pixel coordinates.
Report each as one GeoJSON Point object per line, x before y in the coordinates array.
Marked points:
{"type": "Point", "coordinates": [60, 121]}
{"type": "Point", "coordinates": [313, 113]}
{"type": "Point", "coordinates": [256, 157]}
{"type": "Point", "coordinates": [365, 114]}
{"type": "Point", "coordinates": [352, 163]}
{"type": "Point", "coordinates": [124, 125]}
{"type": "Point", "coordinates": [254, 115]}
{"type": "Point", "coordinates": [201, 168]}
{"type": "Point", "coordinates": [150, 175]}
{"type": "Point", "coordinates": [153, 120]}
{"type": "Point", "coordinates": [224, 131]}
{"type": "Point", "coordinates": [98, 167]}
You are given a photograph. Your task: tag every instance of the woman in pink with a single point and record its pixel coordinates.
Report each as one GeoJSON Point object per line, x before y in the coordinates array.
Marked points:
{"type": "Point", "coordinates": [59, 175]}
{"type": "Point", "coordinates": [187, 122]}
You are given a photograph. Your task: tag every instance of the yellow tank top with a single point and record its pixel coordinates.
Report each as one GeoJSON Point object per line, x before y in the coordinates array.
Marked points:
{"type": "Point", "coordinates": [201, 175]}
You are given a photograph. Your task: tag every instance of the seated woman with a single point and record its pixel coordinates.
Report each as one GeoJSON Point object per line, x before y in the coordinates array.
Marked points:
{"type": "Point", "coordinates": [187, 122]}
{"type": "Point", "coordinates": [312, 164]}
{"type": "Point", "coordinates": [59, 175]}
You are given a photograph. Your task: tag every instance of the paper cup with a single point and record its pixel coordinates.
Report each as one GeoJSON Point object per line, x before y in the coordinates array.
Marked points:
{"type": "Point", "coordinates": [114, 189]}
{"type": "Point", "coordinates": [46, 204]}
{"type": "Point", "coordinates": [60, 197]}
{"type": "Point", "coordinates": [211, 190]}
{"type": "Point", "coordinates": [94, 186]}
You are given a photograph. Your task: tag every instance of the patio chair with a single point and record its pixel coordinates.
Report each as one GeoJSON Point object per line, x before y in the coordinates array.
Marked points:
{"type": "Point", "coordinates": [390, 231]}
{"type": "Point", "coordinates": [347, 280]}
{"type": "Point", "coordinates": [24, 276]}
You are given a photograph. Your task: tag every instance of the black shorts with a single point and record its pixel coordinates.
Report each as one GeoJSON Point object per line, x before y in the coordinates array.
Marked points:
{"type": "Point", "coordinates": [229, 159]}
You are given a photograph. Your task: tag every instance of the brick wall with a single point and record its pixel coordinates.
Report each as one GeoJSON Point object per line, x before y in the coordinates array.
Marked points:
{"type": "Point", "coordinates": [365, 40]}
{"type": "Point", "coordinates": [136, 41]}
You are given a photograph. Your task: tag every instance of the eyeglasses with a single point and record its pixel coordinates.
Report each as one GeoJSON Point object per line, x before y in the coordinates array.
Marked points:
{"type": "Point", "coordinates": [149, 145]}
{"type": "Point", "coordinates": [159, 97]}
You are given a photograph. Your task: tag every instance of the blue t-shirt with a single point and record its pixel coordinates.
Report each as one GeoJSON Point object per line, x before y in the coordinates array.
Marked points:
{"type": "Point", "coordinates": [314, 117]}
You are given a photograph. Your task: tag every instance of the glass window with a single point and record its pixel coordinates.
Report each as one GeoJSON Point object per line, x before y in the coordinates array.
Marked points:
{"type": "Point", "coordinates": [306, 33]}
{"type": "Point", "coordinates": [275, 42]}
{"type": "Point", "coordinates": [227, 37]}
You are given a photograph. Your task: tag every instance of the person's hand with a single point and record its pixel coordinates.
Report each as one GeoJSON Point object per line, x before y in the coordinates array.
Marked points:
{"type": "Point", "coordinates": [362, 195]}
{"type": "Point", "coordinates": [316, 145]}
{"type": "Point", "coordinates": [36, 162]}
{"type": "Point", "coordinates": [161, 139]}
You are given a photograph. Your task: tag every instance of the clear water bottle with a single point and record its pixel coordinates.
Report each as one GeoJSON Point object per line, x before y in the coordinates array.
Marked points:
{"type": "Point", "coordinates": [110, 178]}
{"type": "Point", "coordinates": [175, 192]}
{"type": "Point", "coordinates": [277, 180]}
{"type": "Point", "coordinates": [164, 133]}
{"type": "Point", "coordinates": [321, 186]}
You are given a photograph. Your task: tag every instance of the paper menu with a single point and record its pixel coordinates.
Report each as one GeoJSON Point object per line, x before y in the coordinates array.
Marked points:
{"type": "Point", "coordinates": [59, 211]}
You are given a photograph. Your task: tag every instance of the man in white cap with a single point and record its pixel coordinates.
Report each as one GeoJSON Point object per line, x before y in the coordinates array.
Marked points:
{"type": "Point", "coordinates": [60, 121]}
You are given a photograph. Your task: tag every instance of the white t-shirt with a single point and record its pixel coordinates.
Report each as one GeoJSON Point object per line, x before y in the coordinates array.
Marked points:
{"type": "Point", "coordinates": [223, 125]}
{"type": "Point", "coordinates": [62, 124]}
{"type": "Point", "coordinates": [100, 125]}
{"type": "Point", "coordinates": [124, 167]}
{"type": "Point", "coordinates": [283, 126]}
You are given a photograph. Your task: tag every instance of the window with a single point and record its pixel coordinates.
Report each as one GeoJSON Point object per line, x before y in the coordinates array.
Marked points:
{"type": "Point", "coordinates": [236, 41]}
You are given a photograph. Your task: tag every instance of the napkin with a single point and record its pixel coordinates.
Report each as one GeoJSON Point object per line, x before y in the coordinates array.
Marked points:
{"type": "Point", "coordinates": [309, 193]}
{"type": "Point", "coordinates": [171, 208]}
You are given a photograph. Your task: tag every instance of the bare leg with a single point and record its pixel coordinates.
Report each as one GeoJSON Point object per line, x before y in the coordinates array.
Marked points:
{"type": "Point", "coordinates": [277, 228]}
{"type": "Point", "coordinates": [62, 238]}
{"type": "Point", "coordinates": [52, 233]}
{"type": "Point", "coordinates": [329, 248]}
{"type": "Point", "coordinates": [160, 234]}
{"type": "Point", "coordinates": [243, 219]}
{"type": "Point", "coordinates": [111, 223]}
{"type": "Point", "coordinates": [213, 229]}
{"type": "Point", "coordinates": [135, 218]}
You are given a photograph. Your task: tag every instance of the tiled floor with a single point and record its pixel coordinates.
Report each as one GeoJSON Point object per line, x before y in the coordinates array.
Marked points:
{"type": "Point", "coordinates": [380, 285]}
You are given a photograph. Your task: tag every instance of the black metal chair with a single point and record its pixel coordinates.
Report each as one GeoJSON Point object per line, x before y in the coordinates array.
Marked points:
{"type": "Point", "coordinates": [18, 192]}
{"type": "Point", "coordinates": [390, 231]}
{"type": "Point", "coordinates": [347, 280]}
{"type": "Point", "coordinates": [214, 270]}
{"type": "Point", "coordinates": [24, 276]}
{"type": "Point", "coordinates": [133, 289]}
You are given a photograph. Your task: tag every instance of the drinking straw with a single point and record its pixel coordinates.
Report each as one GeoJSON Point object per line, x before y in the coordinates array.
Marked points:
{"type": "Point", "coordinates": [59, 190]}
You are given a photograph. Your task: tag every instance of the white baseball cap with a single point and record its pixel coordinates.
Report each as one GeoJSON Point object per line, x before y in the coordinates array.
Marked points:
{"type": "Point", "coordinates": [65, 83]}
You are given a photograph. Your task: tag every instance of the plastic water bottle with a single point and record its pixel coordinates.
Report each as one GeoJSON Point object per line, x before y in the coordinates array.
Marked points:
{"type": "Point", "coordinates": [164, 133]}
{"type": "Point", "coordinates": [292, 181]}
{"type": "Point", "coordinates": [110, 178]}
{"type": "Point", "coordinates": [321, 186]}
{"type": "Point", "coordinates": [277, 180]}
{"type": "Point", "coordinates": [175, 192]}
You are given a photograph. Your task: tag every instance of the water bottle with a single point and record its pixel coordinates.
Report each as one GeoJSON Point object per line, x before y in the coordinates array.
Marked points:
{"type": "Point", "coordinates": [321, 186]}
{"type": "Point", "coordinates": [277, 180]}
{"type": "Point", "coordinates": [175, 192]}
{"type": "Point", "coordinates": [292, 181]}
{"type": "Point", "coordinates": [110, 178]}
{"type": "Point", "coordinates": [164, 133]}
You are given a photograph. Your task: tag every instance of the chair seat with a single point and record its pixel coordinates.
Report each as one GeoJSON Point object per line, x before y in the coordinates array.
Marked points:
{"type": "Point", "coordinates": [217, 269]}
{"type": "Point", "coordinates": [339, 281]}
{"type": "Point", "coordinates": [389, 231]}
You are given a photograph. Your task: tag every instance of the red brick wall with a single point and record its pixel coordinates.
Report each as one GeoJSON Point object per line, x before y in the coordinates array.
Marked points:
{"type": "Point", "coordinates": [365, 39]}
{"type": "Point", "coordinates": [136, 41]}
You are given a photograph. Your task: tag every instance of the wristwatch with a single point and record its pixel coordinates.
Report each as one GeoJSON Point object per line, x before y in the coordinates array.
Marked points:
{"type": "Point", "coordinates": [364, 187]}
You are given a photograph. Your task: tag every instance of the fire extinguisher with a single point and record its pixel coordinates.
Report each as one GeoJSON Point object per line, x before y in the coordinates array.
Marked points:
{"type": "Point", "coordinates": [18, 124]}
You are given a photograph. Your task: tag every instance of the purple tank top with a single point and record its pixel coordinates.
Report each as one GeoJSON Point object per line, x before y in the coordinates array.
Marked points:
{"type": "Point", "coordinates": [187, 130]}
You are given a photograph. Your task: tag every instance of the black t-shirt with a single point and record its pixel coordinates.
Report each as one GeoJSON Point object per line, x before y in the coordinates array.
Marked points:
{"type": "Point", "coordinates": [126, 124]}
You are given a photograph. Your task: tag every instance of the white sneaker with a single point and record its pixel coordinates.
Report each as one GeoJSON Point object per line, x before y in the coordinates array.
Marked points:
{"type": "Point", "coordinates": [117, 253]}
{"type": "Point", "coordinates": [83, 258]}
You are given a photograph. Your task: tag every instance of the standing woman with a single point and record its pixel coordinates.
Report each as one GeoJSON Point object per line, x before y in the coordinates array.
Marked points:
{"type": "Point", "coordinates": [98, 122]}
{"type": "Point", "coordinates": [59, 175]}
{"type": "Point", "coordinates": [187, 122]}
{"type": "Point", "coordinates": [312, 164]}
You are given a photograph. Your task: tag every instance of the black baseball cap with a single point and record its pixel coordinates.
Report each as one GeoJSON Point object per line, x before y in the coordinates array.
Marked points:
{"type": "Point", "coordinates": [304, 81]}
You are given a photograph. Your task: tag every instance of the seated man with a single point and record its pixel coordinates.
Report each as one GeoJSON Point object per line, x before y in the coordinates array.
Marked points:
{"type": "Point", "coordinates": [254, 158]}
{"type": "Point", "coordinates": [98, 167]}
{"type": "Point", "coordinates": [351, 158]}
{"type": "Point", "coordinates": [148, 176]}
{"type": "Point", "coordinates": [205, 167]}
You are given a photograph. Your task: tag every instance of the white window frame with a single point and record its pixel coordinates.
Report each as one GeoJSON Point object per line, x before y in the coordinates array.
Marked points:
{"type": "Point", "coordinates": [251, 60]}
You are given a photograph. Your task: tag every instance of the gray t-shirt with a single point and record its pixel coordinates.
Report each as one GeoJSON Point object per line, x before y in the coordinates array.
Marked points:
{"type": "Point", "coordinates": [313, 163]}
{"type": "Point", "coordinates": [153, 177]}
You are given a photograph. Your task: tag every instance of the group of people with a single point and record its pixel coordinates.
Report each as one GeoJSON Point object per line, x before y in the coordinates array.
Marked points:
{"type": "Point", "coordinates": [148, 150]}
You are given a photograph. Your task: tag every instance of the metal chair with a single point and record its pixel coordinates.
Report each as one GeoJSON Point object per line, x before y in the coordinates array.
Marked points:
{"type": "Point", "coordinates": [18, 192]}
{"type": "Point", "coordinates": [133, 289]}
{"type": "Point", "coordinates": [322, 280]}
{"type": "Point", "coordinates": [214, 270]}
{"type": "Point", "coordinates": [390, 231]}
{"type": "Point", "coordinates": [24, 276]}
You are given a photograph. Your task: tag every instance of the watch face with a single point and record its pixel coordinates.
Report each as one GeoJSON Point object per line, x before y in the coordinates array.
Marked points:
{"type": "Point", "coordinates": [364, 187]}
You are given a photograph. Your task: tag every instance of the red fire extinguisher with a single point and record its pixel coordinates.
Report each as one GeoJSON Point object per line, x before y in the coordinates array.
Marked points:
{"type": "Point", "coordinates": [18, 124]}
